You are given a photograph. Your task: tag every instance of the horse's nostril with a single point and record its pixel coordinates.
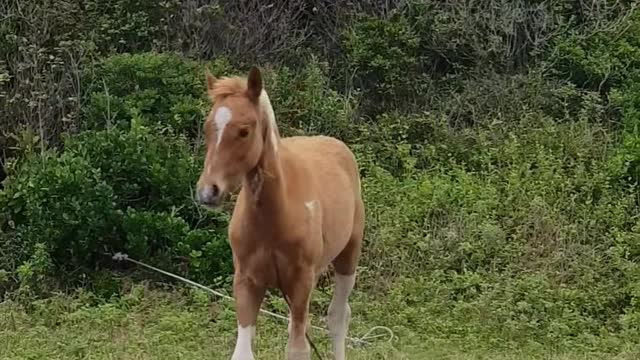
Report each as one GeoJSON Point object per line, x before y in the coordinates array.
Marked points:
{"type": "Point", "coordinates": [208, 194]}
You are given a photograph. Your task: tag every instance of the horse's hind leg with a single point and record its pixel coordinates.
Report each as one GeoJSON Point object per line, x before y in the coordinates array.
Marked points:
{"type": "Point", "coordinates": [345, 264]}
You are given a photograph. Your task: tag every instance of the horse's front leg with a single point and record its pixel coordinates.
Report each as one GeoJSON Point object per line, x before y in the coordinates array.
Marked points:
{"type": "Point", "coordinates": [298, 291]}
{"type": "Point", "coordinates": [248, 298]}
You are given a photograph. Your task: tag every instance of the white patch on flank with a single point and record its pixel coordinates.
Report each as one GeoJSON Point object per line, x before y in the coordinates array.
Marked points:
{"type": "Point", "coordinates": [222, 118]}
{"type": "Point", "coordinates": [243, 349]}
{"type": "Point", "coordinates": [340, 313]}
{"type": "Point", "coordinates": [310, 205]}
{"type": "Point", "coordinates": [265, 105]}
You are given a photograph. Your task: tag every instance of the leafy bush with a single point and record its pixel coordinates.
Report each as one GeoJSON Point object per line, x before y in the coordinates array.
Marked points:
{"type": "Point", "coordinates": [148, 232]}
{"type": "Point", "coordinates": [625, 165]}
{"type": "Point", "coordinates": [395, 59]}
{"type": "Point", "coordinates": [34, 275]}
{"type": "Point", "coordinates": [113, 26]}
{"type": "Point", "coordinates": [512, 213]}
{"type": "Point", "coordinates": [126, 25]}
{"type": "Point", "coordinates": [61, 204]}
{"type": "Point", "coordinates": [384, 55]}
{"type": "Point", "coordinates": [158, 88]}
{"type": "Point", "coordinates": [148, 167]}
{"type": "Point", "coordinates": [44, 47]}
{"type": "Point", "coordinates": [305, 103]}
{"type": "Point", "coordinates": [208, 255]}
{"type": "Point", "coordinates": [599, 58]}
{"type": "Point", "coordinates": [110, 190]}
{"type": "Point", "coordinates": [203, 254]}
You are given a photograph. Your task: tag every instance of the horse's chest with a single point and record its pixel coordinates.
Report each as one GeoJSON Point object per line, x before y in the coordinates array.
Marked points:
{"type": "Point", "coordinates": [257, 264]}
{"type": "Point", "coordinates": [258, 248]}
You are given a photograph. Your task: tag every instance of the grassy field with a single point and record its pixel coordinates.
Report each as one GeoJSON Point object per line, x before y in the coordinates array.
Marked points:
{"type": "Point", "coordinates": [187, 324]}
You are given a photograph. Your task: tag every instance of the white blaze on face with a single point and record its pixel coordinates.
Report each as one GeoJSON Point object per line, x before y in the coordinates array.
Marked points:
{"type": "Point", "coordinates": [243, 349]}
{"type": "Point", "coordinates": [221, 119]}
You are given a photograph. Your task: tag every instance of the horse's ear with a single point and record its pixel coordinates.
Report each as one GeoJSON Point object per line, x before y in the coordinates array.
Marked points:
{"type": "Point", "coordinates": [211, 81]}
{"type": "Point", "coordinates": [254, 84]}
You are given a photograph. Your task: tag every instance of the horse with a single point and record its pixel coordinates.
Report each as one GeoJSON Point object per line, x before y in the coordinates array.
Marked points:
{"type": "Point", "coordinates": [299, 210]}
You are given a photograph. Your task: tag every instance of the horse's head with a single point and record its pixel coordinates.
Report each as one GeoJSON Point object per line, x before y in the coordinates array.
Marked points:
{"type": "Point", "coordinates": [237, 130]}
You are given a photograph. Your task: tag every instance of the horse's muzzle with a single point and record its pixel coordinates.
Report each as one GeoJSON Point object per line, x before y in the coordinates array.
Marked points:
{"type": "Point", "coordinates": [210, 196]}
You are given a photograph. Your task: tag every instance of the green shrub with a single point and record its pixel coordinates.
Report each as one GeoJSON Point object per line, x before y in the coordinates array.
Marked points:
{"type": "Point", "coordinates": [161, 89]}
{"type": "Point", "coordinates": [208, 255]}
{"type": "Point", "coordinates": [600, 59]}
{"type": "Point", "coordinates": [398, 58]}
{"type": "Point", "coordinates": [385, 59]}
{"type": "Point", "coordinates": [493, 34]}
{"type": "Point", "coordinates": [149, 233]}
{"type": "Point", "coordinates": [45, 46]}
{"type": "Point", "coordinates": [147, 167]}
{"type": "Point", "coordinates": [35, 274]}
{"type": "Point", "coordinates": [112, 26]}
{"type": "Point", "coordinates": [384, 50]}
{"type": "Point", "coordinates": [305, 103]}
{"type": "Point", "coordinates": [519, 227]}
{"type": "Point", "coordinates": [200, 254]}
{"type": "Point", "coordinates": [110, 190]}
{"type": "Point", "coordinates": [60, 204]}
{"type": "Point", "coordinates": [126, 25]}
{"type": "Point", "coordinates": [626, 99]}
{"type": "Point", "coordinates": [625, 164]}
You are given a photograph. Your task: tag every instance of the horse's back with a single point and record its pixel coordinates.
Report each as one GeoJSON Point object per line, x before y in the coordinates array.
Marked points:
{"type": "Point", "coordinates": [326, 157]}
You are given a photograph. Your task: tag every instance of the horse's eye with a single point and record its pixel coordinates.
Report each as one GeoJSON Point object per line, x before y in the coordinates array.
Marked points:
{"type": "Point", "coordinates": [243, 133]}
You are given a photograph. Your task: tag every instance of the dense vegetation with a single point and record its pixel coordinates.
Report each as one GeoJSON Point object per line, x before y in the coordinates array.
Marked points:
{"type": "Point", "coordinates": [499, 143]}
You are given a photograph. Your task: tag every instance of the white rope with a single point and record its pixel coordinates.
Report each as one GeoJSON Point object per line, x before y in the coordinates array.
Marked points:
{"type": "Point", "coordinates": [364, 340]}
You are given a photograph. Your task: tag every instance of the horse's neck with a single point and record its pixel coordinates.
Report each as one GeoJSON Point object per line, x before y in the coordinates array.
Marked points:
{"type": "Point", "coordinates": [267, 185]}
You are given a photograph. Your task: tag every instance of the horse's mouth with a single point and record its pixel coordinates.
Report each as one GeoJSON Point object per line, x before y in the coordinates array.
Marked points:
{"type": "Point", "coordinates": [217, 204]}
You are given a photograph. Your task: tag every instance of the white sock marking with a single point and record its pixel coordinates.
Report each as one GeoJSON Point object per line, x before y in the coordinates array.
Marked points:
{"type": "Point", "coordinates": [222, 118]}
{"type": "Point", "coordinates": [243, 349]}
{"type": "Point", "coordinates": [265, 104]}
{"type": "Point", "coordinates": [339, 313]}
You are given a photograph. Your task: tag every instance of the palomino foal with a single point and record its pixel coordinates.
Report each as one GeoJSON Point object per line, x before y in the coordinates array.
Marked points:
{"type": "Point", "coordinates": [299, 209]}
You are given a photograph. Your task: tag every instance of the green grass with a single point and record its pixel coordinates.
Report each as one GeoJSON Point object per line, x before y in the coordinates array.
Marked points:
{"type": "Point", "coordinates": [175, 324]}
